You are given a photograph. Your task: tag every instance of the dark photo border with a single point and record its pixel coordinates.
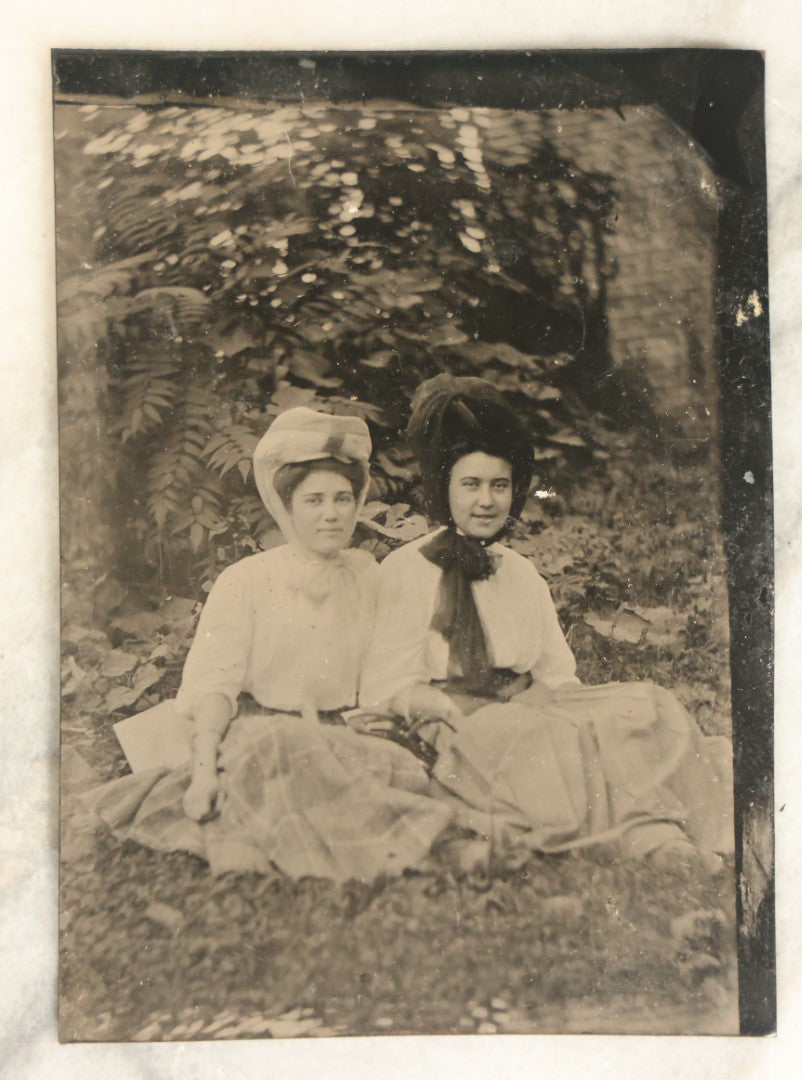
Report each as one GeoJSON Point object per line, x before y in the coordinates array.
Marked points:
{"type": "Point", "coordinates": [716, 97]}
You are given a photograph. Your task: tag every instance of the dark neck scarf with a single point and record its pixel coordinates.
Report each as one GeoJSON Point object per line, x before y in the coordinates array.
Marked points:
{"type": "Point", "coordinates": [463, 560]}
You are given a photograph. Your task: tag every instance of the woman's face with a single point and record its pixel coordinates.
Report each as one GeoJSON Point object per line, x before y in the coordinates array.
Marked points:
{"type": "Point", "coordinates": [323, 511]}
{"type": "Point", "coordinates": [480, 494]}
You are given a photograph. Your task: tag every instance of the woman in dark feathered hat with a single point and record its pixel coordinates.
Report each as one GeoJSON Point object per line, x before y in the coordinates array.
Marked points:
{"type": "Point", "coordinates": [467, 634]}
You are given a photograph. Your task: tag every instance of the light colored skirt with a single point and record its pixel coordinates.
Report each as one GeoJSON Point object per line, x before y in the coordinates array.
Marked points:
{"type": "Point", "coordinates": [309, 798]}
{"type": "Point", "coordinates": [622, 763]}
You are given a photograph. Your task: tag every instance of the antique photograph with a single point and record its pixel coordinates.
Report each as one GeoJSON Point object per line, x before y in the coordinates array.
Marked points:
{"type": "Point", "coordinates": [416, 606]}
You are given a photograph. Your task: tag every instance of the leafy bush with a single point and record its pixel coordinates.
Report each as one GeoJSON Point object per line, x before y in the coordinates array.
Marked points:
{"type": "Point", "coordinates": [219, 266]}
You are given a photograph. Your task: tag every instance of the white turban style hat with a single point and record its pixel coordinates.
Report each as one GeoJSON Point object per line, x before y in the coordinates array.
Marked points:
{"type": "Point", "coordinates": [304, 435]}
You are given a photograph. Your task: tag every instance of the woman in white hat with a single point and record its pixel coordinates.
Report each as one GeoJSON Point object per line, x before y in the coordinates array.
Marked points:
{"type": "Point", "coordinates": [278, 778]}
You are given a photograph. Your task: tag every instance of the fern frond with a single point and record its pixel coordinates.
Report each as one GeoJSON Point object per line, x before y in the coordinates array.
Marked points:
{"type": "Point", "coordinates": [231, 447]}
{"type": "Point", "coordinates": [100, 283]}
{"type": "Point", "coordinates": [138, 224]}
{"type": "Point", "coordinates": [178, 472]}
{"type": "Point", "coordinates": [150, 397]}
{"type": "Point", "coordinates": [184, 309]}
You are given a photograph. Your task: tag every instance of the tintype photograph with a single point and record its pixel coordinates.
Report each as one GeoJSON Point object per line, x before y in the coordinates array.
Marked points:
{"type": "Point", "coordinates": [416, 545]}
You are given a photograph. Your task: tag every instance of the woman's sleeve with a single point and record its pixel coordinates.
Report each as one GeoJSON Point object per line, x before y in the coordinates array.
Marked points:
{"type": "Point", "coordinates": [556, 664]}
{"type": "Point", "coordinates": [395, 660]}
{"type": "Point", "coordinates": [218, 659]}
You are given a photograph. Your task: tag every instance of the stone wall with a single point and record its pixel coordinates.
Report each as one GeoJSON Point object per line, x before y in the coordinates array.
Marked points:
{"type": "Point", "coordinates": [661, 291]}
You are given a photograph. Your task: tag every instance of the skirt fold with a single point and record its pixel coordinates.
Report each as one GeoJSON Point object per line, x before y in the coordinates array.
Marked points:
{"type": "Point", "coordinates": [310, 799]}
{"type": "Point", "coordinates": [588, 765]}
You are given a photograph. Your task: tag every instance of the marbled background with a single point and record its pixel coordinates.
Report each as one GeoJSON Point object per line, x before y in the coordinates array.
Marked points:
{"type": "Point", "coordinates": [28, 587]}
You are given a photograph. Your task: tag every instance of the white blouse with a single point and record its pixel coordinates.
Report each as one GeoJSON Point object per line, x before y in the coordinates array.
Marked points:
{"type": "Point", "coordinates": [515, 609]}
{"type": "Point", "coordinates": [287, 627]}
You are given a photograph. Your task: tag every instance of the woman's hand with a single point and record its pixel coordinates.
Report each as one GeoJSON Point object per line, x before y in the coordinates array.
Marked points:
{"type": "Point", "coordinates": [199, 798]}
{"type": "Point", "coordinates": [211, 721]}
{"type": "Point", "coordinates": [427, 703]}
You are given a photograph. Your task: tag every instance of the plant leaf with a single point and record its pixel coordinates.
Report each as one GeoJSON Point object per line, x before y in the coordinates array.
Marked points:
{"type": "Point", "coordinates": [118, 663]}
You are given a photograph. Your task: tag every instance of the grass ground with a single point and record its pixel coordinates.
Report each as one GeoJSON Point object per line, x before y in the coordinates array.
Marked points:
{"type": "Point", "coordinates": [153, 948]}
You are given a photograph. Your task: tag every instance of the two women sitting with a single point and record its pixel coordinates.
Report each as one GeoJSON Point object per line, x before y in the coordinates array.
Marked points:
{"type": "Point", "coordinates": [452, 645]}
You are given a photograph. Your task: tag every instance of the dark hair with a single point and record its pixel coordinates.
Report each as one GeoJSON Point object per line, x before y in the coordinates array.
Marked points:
{"type": "Point", "coordinates": [455, 416]}
{"type": "Point", "coordinates": [288, 477]}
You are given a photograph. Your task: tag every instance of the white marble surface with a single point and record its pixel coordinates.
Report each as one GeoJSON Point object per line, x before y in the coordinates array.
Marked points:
{"type": "Point", "coordinates": [28, 593]}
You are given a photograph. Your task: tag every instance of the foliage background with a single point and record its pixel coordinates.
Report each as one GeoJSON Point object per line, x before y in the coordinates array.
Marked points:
{"type": "Point", "coordinates": [218, 265]}
{"type": "Point", "coordinates": [247, 262]}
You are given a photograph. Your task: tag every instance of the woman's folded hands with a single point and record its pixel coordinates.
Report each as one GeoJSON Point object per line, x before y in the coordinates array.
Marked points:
{"type": "Point", "coordinates": [426, 703]}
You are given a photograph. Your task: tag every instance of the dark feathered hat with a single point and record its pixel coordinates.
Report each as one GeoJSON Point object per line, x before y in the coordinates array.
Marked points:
{"type": "Point", "coordinates": [453, 416]}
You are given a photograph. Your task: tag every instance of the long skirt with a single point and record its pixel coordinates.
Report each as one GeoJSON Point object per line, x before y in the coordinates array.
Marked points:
{"type": "Point", "coordinates": [308, 798]}
{"type": "Point", "coordinates": [620, 764]}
